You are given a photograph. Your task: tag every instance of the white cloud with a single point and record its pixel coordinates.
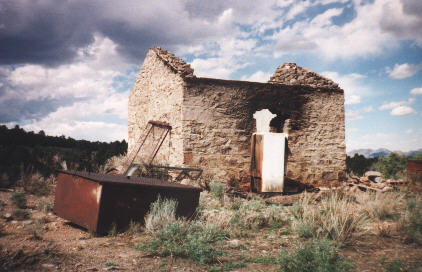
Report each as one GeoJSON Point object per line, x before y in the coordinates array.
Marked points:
{"type": "Point", "coordinates": [369, 33]}
{"type": "Point", "coordinates": [399, 108]}
{"type": "Point", "coordinates": [409, 131]}
{"type": "Point", "coordinates": [259, 76]}
{"type": "Point", "coordinates": [357, 114]}
{"type": "Point", "coordinates": [352, 115]}
{"type": "Point", "coordinates": [229, 56]}
{"type": "Point", "coordinates": [402, 110]}
{"type": "Point", "coordinates": [88, 130]}
{"type": "Point", "coordinates": [416, 91]}
{"type": "Point", "coordinates": [405, 70]}
{"type": "Point", "coordinates": [354, 88]}
{"type": "Point", "coordinates": [88, 105]}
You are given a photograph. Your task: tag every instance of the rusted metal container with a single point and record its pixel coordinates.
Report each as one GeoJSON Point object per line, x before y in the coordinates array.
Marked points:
{"type": "Point", "coordinates": [99, 201]}
{"type": "Point", "coordinates": [414, 169]}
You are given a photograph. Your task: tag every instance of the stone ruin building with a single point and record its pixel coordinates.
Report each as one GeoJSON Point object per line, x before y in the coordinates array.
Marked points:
{"type": "Point", "coordinates": [212, 119]}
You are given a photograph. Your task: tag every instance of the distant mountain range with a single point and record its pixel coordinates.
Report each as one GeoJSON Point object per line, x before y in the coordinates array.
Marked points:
{"type": "Point", "coordinates": [373, 153]}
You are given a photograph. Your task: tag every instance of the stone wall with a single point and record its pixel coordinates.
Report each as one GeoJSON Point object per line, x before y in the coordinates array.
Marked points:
{"type": "Point", "coordinates": [291, 74]}
{"type": "Point", "coordinates": [157, 95]}
{"type": "Point", "coordinates": [218, 124]}
{"type": "Point", "coordinates": [213, 121]}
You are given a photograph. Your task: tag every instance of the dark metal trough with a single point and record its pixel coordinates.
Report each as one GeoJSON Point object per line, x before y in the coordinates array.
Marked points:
{"type": "Point", "coordinates": [98, 201]}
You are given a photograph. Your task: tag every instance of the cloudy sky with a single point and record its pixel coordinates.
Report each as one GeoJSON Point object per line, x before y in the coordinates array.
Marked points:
{"type": "Point", "coordinates": [67, 67]}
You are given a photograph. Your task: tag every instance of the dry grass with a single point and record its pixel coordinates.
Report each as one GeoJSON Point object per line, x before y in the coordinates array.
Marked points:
{"type": "Point", "coordinates": [381, 206]}
{"type": "Point", "coordinates": [162, 212]}
{"type": "Point", "coordinates": [116, 162]}
{"type": "Point", "coordinates": [35, 183]}
{"type": "Point", "coordinates": [336, 217]}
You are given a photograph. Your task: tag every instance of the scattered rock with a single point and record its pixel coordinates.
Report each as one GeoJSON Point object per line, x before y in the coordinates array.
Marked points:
{"type": "Point", "coordinates": [49, 266]}
{"type": "Point", "coordinates": [234, 242]}
{"type": "Point", "coordinates": [27, 222]}
{"type": "Point", "coordinates": [387, 188]}
{"type": "Point", "coordinates": [8, 216]}
{"type": "Point", "coordinates": [364, 180]}
{"type": "Point", "coordinates": [378, 179]}
{"type": "Point", "coordinates": [372, 174]}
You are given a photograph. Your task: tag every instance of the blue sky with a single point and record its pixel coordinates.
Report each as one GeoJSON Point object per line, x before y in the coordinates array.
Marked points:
{"type": "Point", "coordinates": [67, 67]}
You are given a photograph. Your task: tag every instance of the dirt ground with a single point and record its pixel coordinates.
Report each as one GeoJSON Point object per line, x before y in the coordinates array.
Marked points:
{"type": "Point", "coordinates": [62, 246]}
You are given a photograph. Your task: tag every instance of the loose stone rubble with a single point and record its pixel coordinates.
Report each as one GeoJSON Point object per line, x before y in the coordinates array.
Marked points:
{"type": "Point", "coordinates": [372, 180]}
{"type": "Point", "coordinates": [291, 74]}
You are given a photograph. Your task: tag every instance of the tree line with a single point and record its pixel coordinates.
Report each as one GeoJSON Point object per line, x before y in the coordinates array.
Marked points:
{"type": "Point", "coordinates": [391, 166]}
{"type": "Point", "coordinates": [23, 153]}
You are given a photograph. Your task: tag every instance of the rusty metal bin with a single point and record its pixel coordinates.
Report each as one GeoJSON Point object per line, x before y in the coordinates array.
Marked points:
{"type": "Point", "coordinates": [414, 170]}
{"type": "Point", "coordinates": [98, 201]}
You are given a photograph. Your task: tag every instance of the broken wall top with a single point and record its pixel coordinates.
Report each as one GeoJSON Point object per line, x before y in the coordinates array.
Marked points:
{"type": "Point", "coordinates": [288, 73]}
{"type": "Point", "coordinates": [175, 63]}
{"type": "Point", "coordinates": [291, 74]}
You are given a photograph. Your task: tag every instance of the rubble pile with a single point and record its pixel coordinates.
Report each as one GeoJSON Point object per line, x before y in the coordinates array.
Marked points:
{"type": "Point", "coordinates": [175, 63]}
{"type": "Point", "coordinates": [291, 74]}
{"type": "Point", "coordinates": [372, 180]}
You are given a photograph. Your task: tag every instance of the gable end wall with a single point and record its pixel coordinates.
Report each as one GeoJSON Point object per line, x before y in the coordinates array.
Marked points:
{"type": "Point", "coordinates": [157, 95]}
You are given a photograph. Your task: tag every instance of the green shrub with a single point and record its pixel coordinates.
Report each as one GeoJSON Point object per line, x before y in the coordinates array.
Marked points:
{"type": "Point", "coordinates": [162, 212]}
{"type": "Point", "coordinates": [263, 260]}
{"type": "Point", "coordinates": [20, 214]}
{"type": "Point", "coordinates": [236, 205]}
{"type": "Point", "coordinates": [316, 256]}
{"type": "Point", "coordinates": [413, 221]}
{"type": "Point", "coordinates": [44, 206]}
{"type": "Point", "coordinates": [19, 200]}
{"type": "Point", "coordinates": [306, 229]}
{"type": "Point", "coordinates": [37, 228]}
{"type": "Point", "coordinates": [217, 189]}
{"type": "Point", "coordinates": [396, 265]}
{"type": "Point", "coordinates": [391, 165]}
{"type": "Point", "coordinates": [191, 240]}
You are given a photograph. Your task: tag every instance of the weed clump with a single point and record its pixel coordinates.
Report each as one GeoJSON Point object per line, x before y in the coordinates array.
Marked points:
{"type": "Point", "coordinates": [37, 228]}
{"type": "Point", "coordinates": [162, 213]}
{"type": "Point", "coordinates": [192, 240]}
{"type": "Point", "coordinates": [113, 230]}
{"type": "Point", "coordinates": [19, 200]}
{"type": "Point", "coordinates": [381, 206]}
{"type": "Point", "coordinates": [413, 221]}
{"type": "Point", "coordinates": [241, 217]}
{"type": "Point", "coordinates": [44, 206]}
{"type": "Point", "coordinates": [396, 265]}
{"type": "Point", "coordinates": [335, 217]}
{"type": "Point", "coordinates": [217, 189]}
{"type": "Point", "coordinates": [316, 256]}
{"type": "Point", "coordinates": [134, 228]}
{"type": "Point", "coordinates": [37, 184]}
{"type": "Point", "coordinates": [20, 214]}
